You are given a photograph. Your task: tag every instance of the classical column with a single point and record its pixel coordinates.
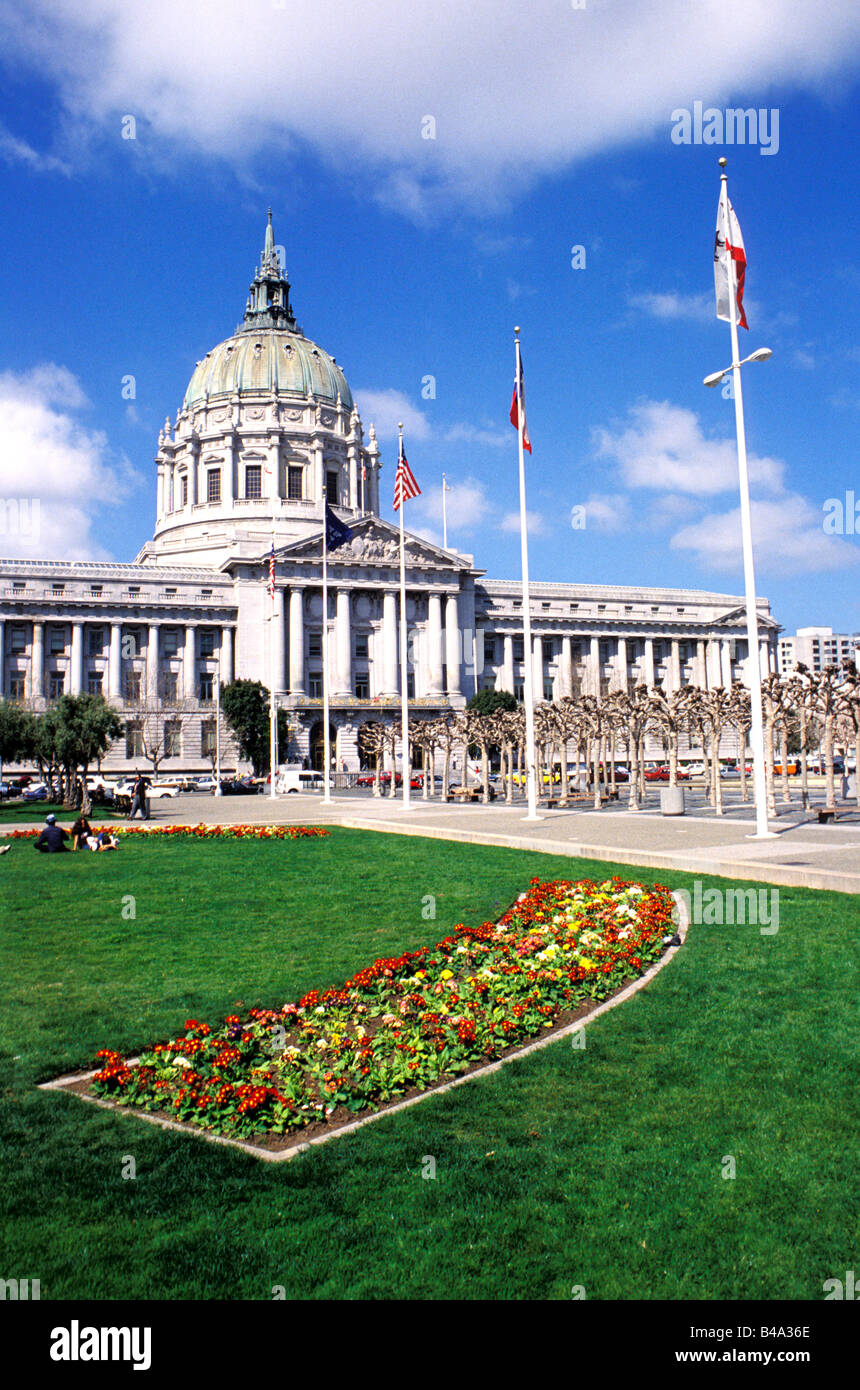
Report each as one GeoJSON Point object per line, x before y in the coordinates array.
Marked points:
{"type": "Point", "coordinates": [159, 493]}
{"type": "Point", "coordinates": [353, 479]}
{"type": "Point", "coordinates": [189, 663]}
{"type": "Point", "coordinates": [2, 658]}
{"type": "Point", "coordinates": [152, 664]}
{"type": "Point", "coordinates": [275, 655]}
{"type": "Point", "coordinates": [537, 668]}
{"type": "Point", "coordinates": [226, 655]}
{"type": "Point", "coordinates": [594, 672]}
{"type": "Point", "coordinates": [37, 673]}
{"type": "Point", "coordinates": [343, 644]}
{"type": "Point", "coordinates": [764, 661]}
{"type": "Point", "coordinates": [648, 674]}
{"type": "Point", "coordinates": [297, 642]}
{"type": "Point", "coordinates": [193, 472]}
{"type": "Point", "coordinates": [566, 671]}
{"type": "Point", "coordinates": [452, 644]}
{"type": "Point", "coordinates": [76, 682]}
{"type": "Point", "coordinates": [435, 675]}
{"type": "Point", "coordinates": [508, 662]}
{"type": "Point", "coordinates": [725, 663]}
{"type": "Point", "coordinates": [621, 663]}
{"type": "Point", "coordinates": [319, 471]}
{"type": "Point", "coordinates": [228, 493]}
{"type": "Point", "coordinates": [713, 663]}
{"type": "Point", "coordinates": [115, 662]}
{"type": "Point", "coordinates": [676, 664]}
{"type": "Point", "coordinates": [701, 665]}
{"type": "Point", "coordinates": [390, 683]}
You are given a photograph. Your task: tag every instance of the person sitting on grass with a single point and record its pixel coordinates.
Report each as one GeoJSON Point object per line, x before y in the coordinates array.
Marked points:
{"type": "Point", "coordinates": [53, 837]}
{"type": "Point", "coordinates": [104, 840]}
{"type": "Point", "coordinates": [83, 834]}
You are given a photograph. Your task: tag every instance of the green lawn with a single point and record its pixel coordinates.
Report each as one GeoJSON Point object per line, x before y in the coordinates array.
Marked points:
{"type": "Point", "coordinates": [35, 811]}
{"type": "Point", "coordinates": [599, 1167]}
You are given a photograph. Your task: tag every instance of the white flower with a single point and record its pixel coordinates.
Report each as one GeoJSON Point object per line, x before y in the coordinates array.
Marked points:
{"type": "Point", "coordinates": [181, 1062]}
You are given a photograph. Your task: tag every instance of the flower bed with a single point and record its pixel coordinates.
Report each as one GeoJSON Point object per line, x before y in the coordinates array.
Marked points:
{"type": "Point", "coordinates": [202, 832]}
{"type": "Point", "coordinates": [405, 1023]}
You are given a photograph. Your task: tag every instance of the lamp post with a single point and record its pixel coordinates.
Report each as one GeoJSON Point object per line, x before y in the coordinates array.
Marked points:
{"type": "Point", "coordinates": [757, 728]}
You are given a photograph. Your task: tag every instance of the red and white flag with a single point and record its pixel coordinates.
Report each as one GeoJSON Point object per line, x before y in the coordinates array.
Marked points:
{"type": "Point", "coordinates": [271, 585]}
{"type": "Point", "coordinates": [404, 483]}
{"type": "Point", "coordinates": [729, 249]}
{"type": "Point", "coordinates": [515, 414]}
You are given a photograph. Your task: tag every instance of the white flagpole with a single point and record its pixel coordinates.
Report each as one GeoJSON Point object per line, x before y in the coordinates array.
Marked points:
{"type": "Point", "coordinates": [528, 663]}
{"type": "Point", "coordinates": [404, 662]}
{"type": "Point", "coordinates": [444, 515]}
{"type": "Point", "coordinates": [757, 727]}
{"type": "Point", "coordinates": [326, 732]}
{"type": "Point", "coordinates": [218, 791]}
{"type": "Point", "coordinates": [273, 708]}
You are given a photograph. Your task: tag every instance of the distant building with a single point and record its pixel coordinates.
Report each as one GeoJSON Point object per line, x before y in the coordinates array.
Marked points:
{"type": "Point", "coordinates": [817, 648]}
{"type": "Point", "coordinates": [267, 423]}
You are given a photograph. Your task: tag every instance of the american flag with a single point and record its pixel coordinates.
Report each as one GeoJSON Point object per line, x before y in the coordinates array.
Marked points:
{"type": "Point", "coordinates": [272, 571]}
{"type": "Point", "coordinates": [404, 483]}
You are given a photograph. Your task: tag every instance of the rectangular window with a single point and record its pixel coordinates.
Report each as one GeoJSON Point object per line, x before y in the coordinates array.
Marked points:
{"type": "Point", "coordinates": [207, 643]}
{"type": "Point", "coordinates": [58, 588]}
{"type": "Point", "coordinates": [547, 688]}
{"type": "Point", "coordinates": [16, 687]}
{"type": "Point", "coordinates": [361, 645]}
{"type": "Point", "coordinates": [410, 685]}
{"type": "Point", "coordinates": [57, 639]}
{"type": "Point", "coordinates": [95, 641]}
{"type": "Point", "coordinates": [19, 639]}
{"type": "Point", "coordinates": [315, 689]}
{"type": "Point", "coordinates": [315, 644]}
{"type": "Point", "coordinates": [96, 590]}
{"type": "Point", "coordinates": [172, 739]}
{"type": "Point", "coordinates": [332, 492]}
{"type": "Point", "coordinates": [169, 641]}
{"type": "Point", "coordinates": [168, 687]}
{"type": "Point", "coordinates": [213, 485]}
{"type": "Point", "coordinates": [207, 738]}
{"type": "Point", "coordinates": [56, 684]}
{"type": "Point", "coordinates": [134, 588]}
{"type": "Point", "coordinates": [254, 481]}
{"type": "Point", "coordinates": [362, 685]}
{"type": "Point", "coordinates": [519, 691]}
{"type": "Point", "coordinates": [131, 686]}
{"type": "Point", "coordinates": [183, 490]}
{"type": "Point", "coordinates": [94, 682]}
{"type": "Point", "coordinates": [518, 649]}
{"type": "Point", "coordinates": [294, 483]}
{"type": "Point", "coordinates": [207, 687]}
{"type": "Point", "coordinates": [134, 739]}
{"type": "Point", "coordinates": [18, 586]}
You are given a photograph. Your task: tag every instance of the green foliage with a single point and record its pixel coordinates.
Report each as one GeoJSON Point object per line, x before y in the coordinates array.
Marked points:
{"type": "Point", "coordinates": [15, 732]}
{"type": "Point", "coordinates": [492, 702]}
{"type": "Point", "coordinates": [245, 705]}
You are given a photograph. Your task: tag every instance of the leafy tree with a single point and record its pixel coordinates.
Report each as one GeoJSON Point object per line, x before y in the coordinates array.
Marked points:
{"type": "Point", "coordinates": [79, 729]}
{"type": "Point", "coordinates": [15, 732]}
{"type": "Point", "coordinates": [245, 706]}
{"type": "Point", "coordinates": [492, 702]}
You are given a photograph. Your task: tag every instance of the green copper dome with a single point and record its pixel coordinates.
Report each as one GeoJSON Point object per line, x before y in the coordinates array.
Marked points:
{"type": "Point", "coordinates": [268, 352]}
{"type": "Point", "coordinates": [268, 360]}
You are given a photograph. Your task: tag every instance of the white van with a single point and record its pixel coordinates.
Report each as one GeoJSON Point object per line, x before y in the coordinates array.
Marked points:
{"type": "Point", "coordinates": [296, 779]}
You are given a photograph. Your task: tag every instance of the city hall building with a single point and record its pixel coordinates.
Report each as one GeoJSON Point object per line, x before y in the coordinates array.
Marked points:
{"type": "Point", "coordinates": [268, 426]}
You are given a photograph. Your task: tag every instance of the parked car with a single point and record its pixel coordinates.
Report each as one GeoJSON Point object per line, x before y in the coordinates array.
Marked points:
{"type": "Point", "coordinates": [159, 790]}
{"type": "Point", "coordinates": [204, 784]}
{"type": "Point", "coordinates": [293, 780]}
{"type": "Point", "coordinates": [662, 774]}
{"type": "Point", "coordinates": [36, 791]}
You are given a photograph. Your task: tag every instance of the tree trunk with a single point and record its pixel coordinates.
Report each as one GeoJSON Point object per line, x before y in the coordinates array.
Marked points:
{"type": "Point", "coordinates": [446, 772]}
{"type": "Point", "coordinates": [509, 783]}
{"type": "Point", "coordinates": [804, 754]}
{"type": "Point", "coordinates": [564, 782]}
{"type": "Point", "coordinates": [768, 764]}
{"type": "Point", "coordinates": [828, 762]}
{"type": "Point", "coordinates": [393, 790]}
{"type": "Point", "coordinates": [485, 775]}
{"type": "Point", "coordinates": [595, 748]}
{"type": "Point", "coordinates": [673, 757]}
{"type": "Point", "coordinates": [633, 754]}
{"type": "Point", "coordinates": [718, 781]}
{"type": "Point", "coordinates": [783, 753]}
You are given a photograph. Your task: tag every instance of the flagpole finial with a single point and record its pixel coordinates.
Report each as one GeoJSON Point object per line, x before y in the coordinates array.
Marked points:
{"type": "Point", "coordinates": [517, 330]}
{"type": "Point", "coordinates": [722, 161]}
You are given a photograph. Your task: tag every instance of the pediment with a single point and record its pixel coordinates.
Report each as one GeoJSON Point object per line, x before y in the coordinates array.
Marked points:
{"type": "Point", "coordinates": [737, 618]}
{"type": "Point", "coordinates": [375, 543]}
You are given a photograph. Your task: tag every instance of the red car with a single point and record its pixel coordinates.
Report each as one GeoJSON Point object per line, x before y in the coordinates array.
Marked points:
{"type": "Point", "coordinates": [661, 774]}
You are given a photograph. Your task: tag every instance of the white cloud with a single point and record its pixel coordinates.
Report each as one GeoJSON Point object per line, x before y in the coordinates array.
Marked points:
{"type": "Point", "coordinates": [474, 434]}
{"type": "Point", "coordinates": [788, 538]}
{"type": "Point", "coordinates": [15, 151]}
{"type": "Point", "coordinates": [311, 73]}
{"type": "Point", "coordinates": [663, 447]}
{"type": "Point", "coordinates": [535, 523]}
{"type": "Point", "coordinates": [467, 507]}
{"type": "Point", "coordinates": [61, 470]}
{"type": "Point", "coordinates": [699, 307]}
{"type": "Point", "coordinates": [609, 512]}
{"type": "Point", "coordinates": [385, 409]}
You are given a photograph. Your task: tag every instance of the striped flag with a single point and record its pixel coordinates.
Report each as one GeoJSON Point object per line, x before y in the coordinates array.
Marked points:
{"type": "Point", "coordinates": [404, 483]}
{"type": "Point", "coordinates": [729, 247]}
{"type": "Point", "coordinates": [272, 571]}
{"type": "Point", "coordinates": [515, 414]}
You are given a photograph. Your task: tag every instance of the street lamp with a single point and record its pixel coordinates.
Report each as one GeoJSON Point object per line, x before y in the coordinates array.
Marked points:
{"type": "Point", "coordinates": [760, 355]}
{"type": "Point", "coordinates": [762, 831]}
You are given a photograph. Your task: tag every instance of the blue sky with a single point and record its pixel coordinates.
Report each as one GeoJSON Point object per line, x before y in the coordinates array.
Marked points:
{"type": "Point", "coordinates": [413, 257]}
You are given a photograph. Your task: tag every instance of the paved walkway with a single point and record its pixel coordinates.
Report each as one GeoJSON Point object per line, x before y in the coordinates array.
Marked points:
{"type": "Point", "coordinates": [803, 853]}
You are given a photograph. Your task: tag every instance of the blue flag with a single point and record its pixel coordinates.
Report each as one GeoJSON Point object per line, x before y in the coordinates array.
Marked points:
{"type": "Point", "coordinates": [336, 533]}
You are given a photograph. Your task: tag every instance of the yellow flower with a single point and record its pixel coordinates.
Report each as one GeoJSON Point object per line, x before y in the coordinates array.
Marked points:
{"type": "Point", "coordinates": [587, 964]}
{"type": "Point", "coordinates": [447, 975]}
